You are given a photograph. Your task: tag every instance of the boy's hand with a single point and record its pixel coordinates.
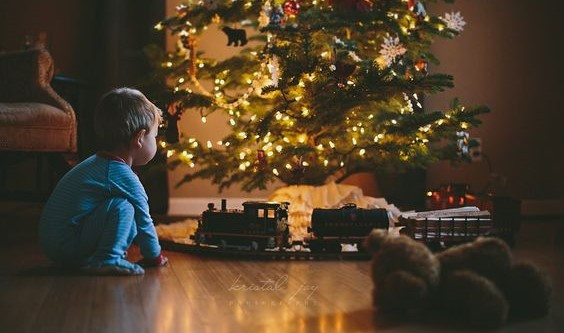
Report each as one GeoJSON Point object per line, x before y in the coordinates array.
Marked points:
{"type": "Point", "coordinates": [159, 260]}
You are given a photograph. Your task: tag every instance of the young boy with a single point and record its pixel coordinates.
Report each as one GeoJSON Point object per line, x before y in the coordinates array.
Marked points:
{"type": "Point", "coordinates": [100, 207]}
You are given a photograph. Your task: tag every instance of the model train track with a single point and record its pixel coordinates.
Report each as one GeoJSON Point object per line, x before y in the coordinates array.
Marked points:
{"type": "Point", "coordinates": [261, 255]}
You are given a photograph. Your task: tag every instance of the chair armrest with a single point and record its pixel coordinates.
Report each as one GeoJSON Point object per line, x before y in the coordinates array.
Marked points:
{"type": "Point", "coordinates": [25, 76]}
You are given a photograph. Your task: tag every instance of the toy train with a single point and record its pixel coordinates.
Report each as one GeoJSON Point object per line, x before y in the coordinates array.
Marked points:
{"type": "Point", "coordinates": [264, 225]}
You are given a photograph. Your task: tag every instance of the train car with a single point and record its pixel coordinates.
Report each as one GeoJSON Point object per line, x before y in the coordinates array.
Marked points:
{"type": "Point", "coordinates": [260, 225]}
{"type": "Point", "coordinates": [346, 225]}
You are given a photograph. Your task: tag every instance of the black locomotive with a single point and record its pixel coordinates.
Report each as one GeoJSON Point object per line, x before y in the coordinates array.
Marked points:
{"type": "Point", "coordinates": [264, 225]}
{"type": "Point", "coordinates": [260, 225]}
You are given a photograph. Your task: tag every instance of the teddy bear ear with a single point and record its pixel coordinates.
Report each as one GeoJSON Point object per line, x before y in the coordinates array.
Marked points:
{"type": "Point", "coordinates": [374, 240]}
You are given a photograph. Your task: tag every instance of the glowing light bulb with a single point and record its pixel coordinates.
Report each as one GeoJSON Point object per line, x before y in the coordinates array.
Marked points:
{"type": "Point", "coordinates": [362, 152]}
{"type": "Point", "coordinates": [169, 153]}
{"type": "Point", "coordinates": [274, 171]}
{"type": "Point", "coordinates": [331, 144]}
{"type": "Point", "coordinates": [354, 141]}
{"type": "Point", "coordinates": [204, 119]}
{"type": "Point", "coordinates": [325, 162]}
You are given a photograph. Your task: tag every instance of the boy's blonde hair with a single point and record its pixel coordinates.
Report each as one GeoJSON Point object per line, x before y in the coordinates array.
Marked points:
{"type": "Point", "coordinates": [120, 114]}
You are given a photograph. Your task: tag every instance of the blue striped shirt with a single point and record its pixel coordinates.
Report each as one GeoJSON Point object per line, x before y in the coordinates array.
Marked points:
{"type": "Point", "coordinates": [83, 189]}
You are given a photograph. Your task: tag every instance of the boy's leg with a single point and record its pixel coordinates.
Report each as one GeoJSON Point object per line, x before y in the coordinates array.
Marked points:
{"type": "Point", "coordinates": [106, 235]}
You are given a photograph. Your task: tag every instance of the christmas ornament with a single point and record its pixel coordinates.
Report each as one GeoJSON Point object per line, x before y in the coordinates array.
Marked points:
{"type": "Point", "coordinates": [416, 7]}
{"type": "Point", "coordinates": [391, 49]}
{"type": "Point", "coordinates": [454, 21]}
{"type": "Point", "coordinates": [277, 16]}
{"type": "Point", "coordinates": [263, 20]}
{"type": "Point", "coordinates": [174, 111]}
{"type": "Point", "coordinates": [291, 7]}
{"type": "Point", "coordinates": [274, 69]}
{"type": "Point", "coordinates": [462, 143]}
{"type": "Point", "coordinates": [421, 66]}
{"type": "Point", "coordinates": [260, 163]}
{"type": "Point", "coordinates": [237, 37]}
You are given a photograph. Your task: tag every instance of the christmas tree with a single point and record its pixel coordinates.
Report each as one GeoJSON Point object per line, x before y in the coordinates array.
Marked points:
{"type": "Point", "coordinates": [332, 88]}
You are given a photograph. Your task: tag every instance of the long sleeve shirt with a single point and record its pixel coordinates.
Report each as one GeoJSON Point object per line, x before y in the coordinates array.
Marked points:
{"type": "Point", "coordinates": [84, 188]}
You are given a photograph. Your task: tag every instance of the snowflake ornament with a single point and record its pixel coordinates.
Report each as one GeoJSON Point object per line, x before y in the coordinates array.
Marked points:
{"type": "Point", "coordinates": [391, 49]}
{"type": "Point", "coordinates": [264, 16]}
{"type": "Point", "coordinates": [454, 21]}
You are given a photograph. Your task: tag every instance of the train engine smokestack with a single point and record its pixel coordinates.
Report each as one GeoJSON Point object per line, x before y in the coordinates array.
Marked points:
{"type": "Point", "coordinates": [223, 204]}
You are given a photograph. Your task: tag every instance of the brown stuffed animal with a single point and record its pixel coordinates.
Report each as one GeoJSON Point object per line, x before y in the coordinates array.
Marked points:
{"type": "Point", "coordinates": [405, 273]}
{"type": "Point", "coordinates": [477, 282]}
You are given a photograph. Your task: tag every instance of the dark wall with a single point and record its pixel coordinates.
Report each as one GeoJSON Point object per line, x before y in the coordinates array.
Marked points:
{"type": "Point", "coordinates": [98, 41]}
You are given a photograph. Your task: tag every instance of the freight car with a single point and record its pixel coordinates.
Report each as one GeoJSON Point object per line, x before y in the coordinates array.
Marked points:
{"type": "Point", "coordinates": [264, 225]}
{"type": "Point", "coordinates": [260, 225]}
{"type": "Point", "coordinates": [346, 225]}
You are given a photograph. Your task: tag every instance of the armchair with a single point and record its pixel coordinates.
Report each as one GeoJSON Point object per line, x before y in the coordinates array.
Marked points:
{"type": "Point", "coordinates": [33, 117]}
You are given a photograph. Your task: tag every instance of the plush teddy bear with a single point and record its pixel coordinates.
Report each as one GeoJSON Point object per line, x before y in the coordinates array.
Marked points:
{"type": "Point", "coordinates": [476, 282]}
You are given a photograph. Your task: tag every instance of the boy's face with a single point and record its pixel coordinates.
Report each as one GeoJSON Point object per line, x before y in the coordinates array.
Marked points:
{"type": "Point", "coordinates": [148, 147]}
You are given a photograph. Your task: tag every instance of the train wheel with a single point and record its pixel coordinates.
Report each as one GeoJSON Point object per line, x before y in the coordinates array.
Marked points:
{"type": "Point", "coordinates": [271, 243]}
{"type": "Point", "coordinates": [254, 246]}
{"type": "Point", "coordinates": [222, 244]}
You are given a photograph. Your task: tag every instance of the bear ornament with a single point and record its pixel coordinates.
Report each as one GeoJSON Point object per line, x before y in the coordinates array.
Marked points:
{"type": "Point", "coordinates": [476, 283]}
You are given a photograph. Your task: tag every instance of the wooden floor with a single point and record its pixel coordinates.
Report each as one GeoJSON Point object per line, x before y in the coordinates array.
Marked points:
{"type": "Point", "coordinates": [196, 294]}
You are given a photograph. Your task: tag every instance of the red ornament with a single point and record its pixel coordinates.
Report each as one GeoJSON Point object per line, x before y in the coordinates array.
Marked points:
{"type": "Point", "coordinates": [260, 163]}
{"type": "Point", "coordinates": [421, 66]}
{"type": "Point", "coordinates": [291, 7]}
{"type": "Point", "coordinates": [410, 4]}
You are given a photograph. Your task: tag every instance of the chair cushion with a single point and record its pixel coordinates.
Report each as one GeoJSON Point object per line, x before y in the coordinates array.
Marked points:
{"type": "Point", "coordinates": [36, 127]}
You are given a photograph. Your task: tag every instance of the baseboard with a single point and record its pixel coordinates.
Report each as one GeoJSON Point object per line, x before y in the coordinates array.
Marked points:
{"type": "Point", "coordinates": [195, 206]}
{"type": "Point", "coordinates": [552, 207]}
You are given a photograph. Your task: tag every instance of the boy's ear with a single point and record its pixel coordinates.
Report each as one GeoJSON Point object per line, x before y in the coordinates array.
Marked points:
{"type": "Point", "coordinates": [136, 141]}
